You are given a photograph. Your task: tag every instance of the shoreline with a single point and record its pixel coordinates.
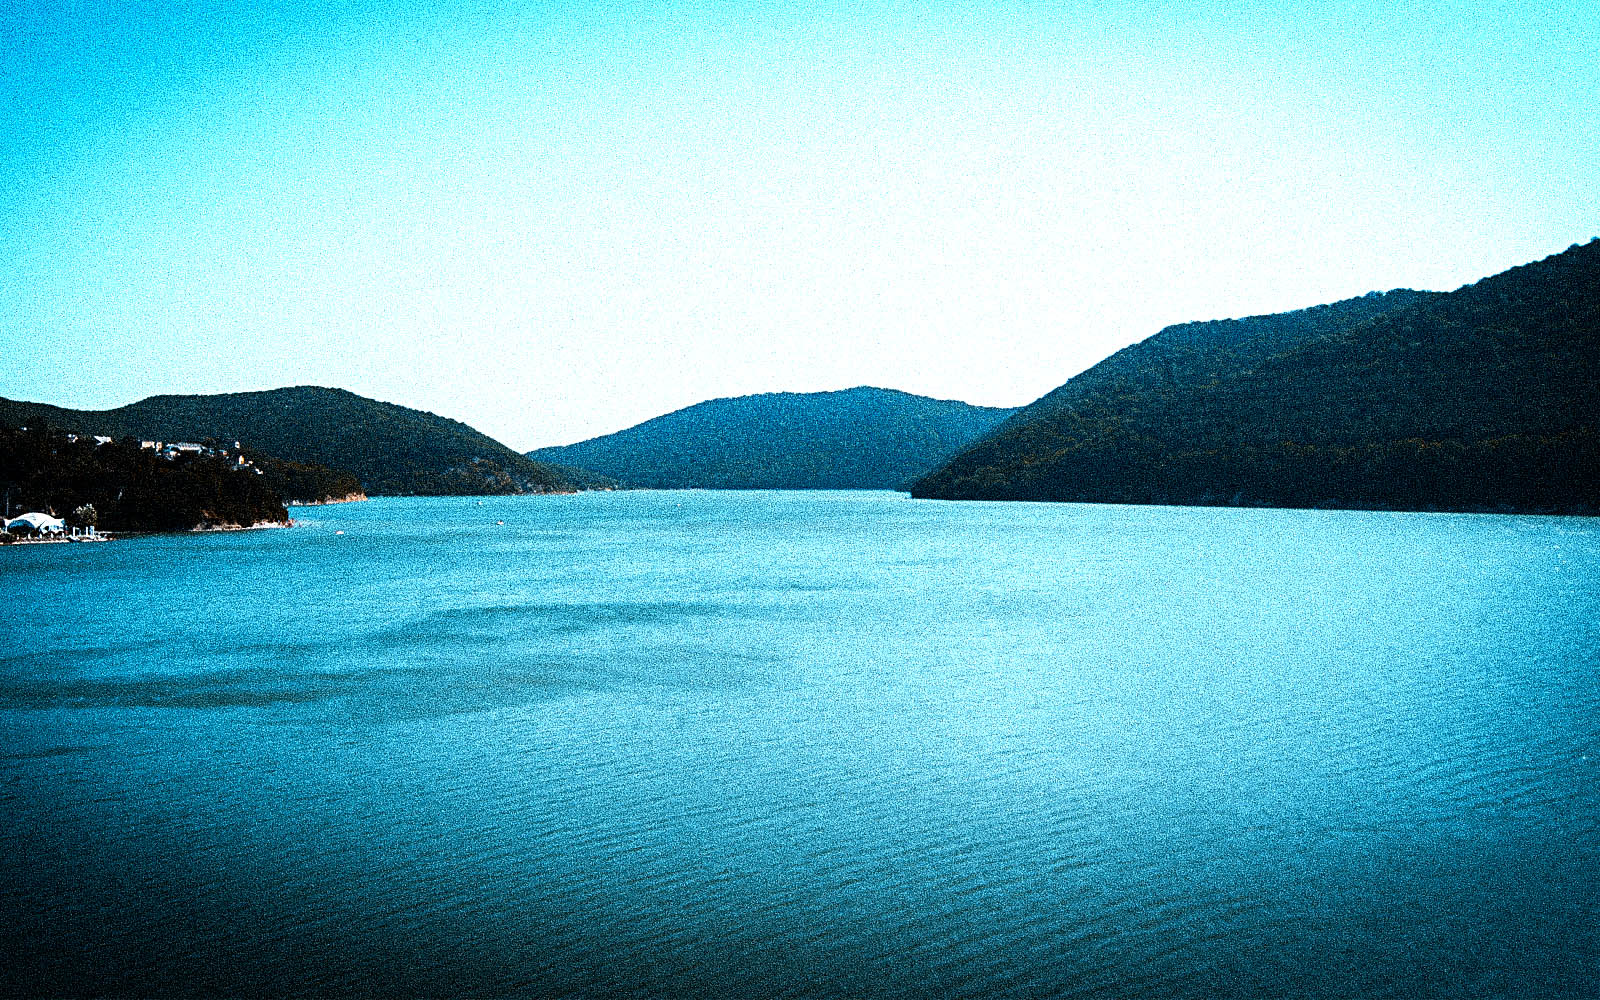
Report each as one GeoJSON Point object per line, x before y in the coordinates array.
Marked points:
{"type": "Point", "coordinates": [210, 528]}
{"type": "Point", "coordinates": [100, 536]}
{"type": "Point", "coordinates": [356, 497]}
{"type": "Point", "coordinates": [111, 536]}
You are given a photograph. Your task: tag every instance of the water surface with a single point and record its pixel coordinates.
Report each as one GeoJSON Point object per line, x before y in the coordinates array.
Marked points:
{"type": "Point", "coordinates": [806, 744]}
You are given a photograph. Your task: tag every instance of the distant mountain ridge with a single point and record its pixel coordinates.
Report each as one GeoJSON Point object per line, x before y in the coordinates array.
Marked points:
{"type": "Point", "coordinates": [861, 438]}
{"type": "Point", "coordinates": [392, 449]}
{"type": "Point", "coordinates": [1478, 399]}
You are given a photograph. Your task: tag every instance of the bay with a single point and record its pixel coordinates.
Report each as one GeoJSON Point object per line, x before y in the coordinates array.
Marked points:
{"type": "Point", "coordinates": [806, 744]}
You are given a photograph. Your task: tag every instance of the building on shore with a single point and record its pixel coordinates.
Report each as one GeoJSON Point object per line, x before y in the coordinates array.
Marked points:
{"type": "Point", "coordinates": [35, 523]}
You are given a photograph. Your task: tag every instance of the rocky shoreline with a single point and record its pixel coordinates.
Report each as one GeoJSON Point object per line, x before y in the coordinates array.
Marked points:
{"type": "Point", "coordinates": [289, 523]}
{"type": "Point", "coordinates": [355, 497]}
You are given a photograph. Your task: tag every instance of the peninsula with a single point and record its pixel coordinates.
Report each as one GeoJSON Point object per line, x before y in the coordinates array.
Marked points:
{"type": "Point", "coordinates": [389, 449]}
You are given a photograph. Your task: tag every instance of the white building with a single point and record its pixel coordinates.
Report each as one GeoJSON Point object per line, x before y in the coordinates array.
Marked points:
{"type": "Point", "coordinates": [37, 523]}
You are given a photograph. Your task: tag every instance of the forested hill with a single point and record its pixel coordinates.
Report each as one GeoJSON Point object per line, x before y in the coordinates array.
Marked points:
{"type": "Point", "coordinates": [1212, 349]}
{"type": "Point", "coordinates": [1479, 399]}
{"type": "Point", "coordinates": [391, 449]}
{"type": "Point", "coordinates": [862, 438]}
{"type": "Point", "coordinates": [120, 486]}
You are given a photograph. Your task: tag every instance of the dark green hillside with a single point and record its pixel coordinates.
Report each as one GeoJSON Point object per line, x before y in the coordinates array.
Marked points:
{"type": "Point", "coordinates": [1479, 399]}
{"type": "Point", "coordinates": [130, 488]}
{"type": "Point", "coordinates": [391, 449]}
{"type": "Point", "coordinates": [862, 438]}
{"type": "Point", "coordinates": [300, 482]}
{"type": "Point", "coordinates": [1194, 353]}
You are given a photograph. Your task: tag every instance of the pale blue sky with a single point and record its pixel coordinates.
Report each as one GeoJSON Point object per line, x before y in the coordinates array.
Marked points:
{"type": "Point", "coordinates": [553, 221]}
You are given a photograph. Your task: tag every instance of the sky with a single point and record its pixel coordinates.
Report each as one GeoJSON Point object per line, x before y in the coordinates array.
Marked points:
{"type": "Point", "coordinates": [553, 221]}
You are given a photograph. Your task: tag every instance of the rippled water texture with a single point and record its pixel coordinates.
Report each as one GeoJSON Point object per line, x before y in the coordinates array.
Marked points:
{"type": "Point", "coordinates": [785, 743]}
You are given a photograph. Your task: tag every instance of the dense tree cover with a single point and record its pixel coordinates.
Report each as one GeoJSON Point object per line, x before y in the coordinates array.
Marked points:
{"type": "Point", "coordinates": [1479, 399]}
{"type": "Point", "coordinates": [391, 449]}
{"type": "Point", "coordinates": [130, 488]}
{"type": "Point", "coordinates": [862, 438]}
{"type": "Point", "coordinates": [303, 482]}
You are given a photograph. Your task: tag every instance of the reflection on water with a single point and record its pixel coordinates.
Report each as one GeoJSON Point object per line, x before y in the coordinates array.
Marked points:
{"type": "Point", "coordinates": [786, 743]}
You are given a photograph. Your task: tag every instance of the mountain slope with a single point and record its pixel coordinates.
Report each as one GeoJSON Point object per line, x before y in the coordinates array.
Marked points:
{"type": "Point", "coordinates": [131, 488]}
{"type": "Point", "coordinates": [1479, 399]}
{"type": "Point", "coordinates": [392, 449]}
{"type": "Point", "coordinates": [862, 438]}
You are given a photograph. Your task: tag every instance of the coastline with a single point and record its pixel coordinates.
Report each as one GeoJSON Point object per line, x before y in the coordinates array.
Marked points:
{"type": "Point", "coordinates": [355, 497]}
{"type": "Point", "coordinates": [110, 536]}
{"type": "Point", "coordinates": [205, 528]}
{"type": "Point", "coordinates": [103, 536]}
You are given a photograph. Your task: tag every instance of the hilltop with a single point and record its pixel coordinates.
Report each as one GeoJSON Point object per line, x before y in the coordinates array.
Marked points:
{"type": "Point", "coordinates": [1478, 399]}
{"type": "Point", "coordinates": [391, 449]}
{"type": "Point", "coordinates": [861, 438]}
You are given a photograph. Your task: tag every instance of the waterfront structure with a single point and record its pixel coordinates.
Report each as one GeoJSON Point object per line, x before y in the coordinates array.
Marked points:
{"type": "Point", "coordinates": [36, 523]}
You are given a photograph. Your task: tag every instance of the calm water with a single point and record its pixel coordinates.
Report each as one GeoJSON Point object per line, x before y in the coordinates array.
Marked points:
{"type": "Point", "coordinates": [785, 743]}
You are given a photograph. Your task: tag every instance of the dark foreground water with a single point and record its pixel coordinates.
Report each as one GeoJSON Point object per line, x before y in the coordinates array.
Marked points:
{"type": "Point", "coordinates": [813, 744]}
